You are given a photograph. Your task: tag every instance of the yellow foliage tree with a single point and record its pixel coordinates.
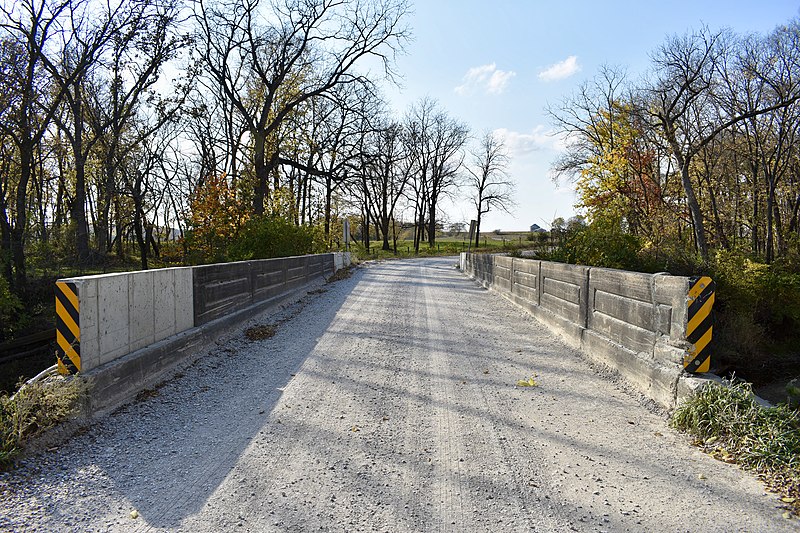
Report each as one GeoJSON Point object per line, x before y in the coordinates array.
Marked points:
{"type": "Point", "coordinates": [216, 217]}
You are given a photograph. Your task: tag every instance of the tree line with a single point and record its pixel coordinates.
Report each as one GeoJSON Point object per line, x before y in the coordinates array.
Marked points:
{"type": "Point", "coordinates": [698, 155]}
{"type": "Point", "coordinates": [146, 120]}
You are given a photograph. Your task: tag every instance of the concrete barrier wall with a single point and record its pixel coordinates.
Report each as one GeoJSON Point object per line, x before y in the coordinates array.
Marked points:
{"type": "Point", "coordinates": [121, 313]}
{"type": "Point", "coordinates": [221, 289]}
{"type": "Point", "coordinates": [632, 322]}
{"type": "Point", "coordinates": [136, 326]}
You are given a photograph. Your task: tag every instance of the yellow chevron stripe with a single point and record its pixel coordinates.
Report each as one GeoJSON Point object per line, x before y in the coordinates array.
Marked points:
{"type": "Point", "coordinates": [67, 319]}
{"type": "Point", "coordinates": [68, 350]}
{"type": "Point", "coordinates": [701, 315]}
{"type": "Point", "coordinates": [702, 342]}
{"type": "Point", "coordinates": [71, 296]}
{"type": "Point", "coordinates": [698, 287]}
{"type": "Point", "coordinates": [705, 366]}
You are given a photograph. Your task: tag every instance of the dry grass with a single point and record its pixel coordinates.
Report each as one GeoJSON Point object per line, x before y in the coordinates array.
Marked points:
{"type": "Point", "coordinates": [261, 332]}
{"type": "Point", "coordinates": [34, 409]}
{"type": "Point", "coordinates": [342, 273]}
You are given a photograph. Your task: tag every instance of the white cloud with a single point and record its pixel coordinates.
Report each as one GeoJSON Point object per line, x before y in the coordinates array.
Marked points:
{"type": "Point", "coordinates": [560, 70]}
{"type": "Point", "coordinates": [486, 77]}
{"type": "Point", "coordinates": [540, 138]}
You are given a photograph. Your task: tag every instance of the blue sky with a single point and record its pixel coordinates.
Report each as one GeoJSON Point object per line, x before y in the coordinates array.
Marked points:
{"type": "Point", "coordinates": [497, 64]}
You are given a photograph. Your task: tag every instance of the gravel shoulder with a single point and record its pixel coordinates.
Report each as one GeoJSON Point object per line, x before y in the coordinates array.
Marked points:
{"type": "Point", "coordinates": [387, 402]}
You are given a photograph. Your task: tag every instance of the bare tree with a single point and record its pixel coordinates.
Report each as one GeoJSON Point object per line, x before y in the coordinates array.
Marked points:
{"type": "Point", "coordinates": [83, 43]}
{"type": "Point", "coordinates": [27, 30]}
{"type": "Point", "coordinates": [270, 58]}
{"type": "Point", "coordinates": [581, 115]}
{"type": "Point", "coordinates": [437, 142]}
{"type": "Point", "coordinates": [489, 180]}
{"type": "Point", "coordinates": [766, 75]}
{"type": "Point", "coordinates": [387, 178]}
{"type": "Point", "coordinates": [126, 107]}
{"type": "Point", "coordinates": [685, 108]}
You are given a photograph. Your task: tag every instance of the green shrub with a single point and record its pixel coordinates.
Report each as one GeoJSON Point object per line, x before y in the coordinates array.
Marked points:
{"type": "Point", "coordinates": [732, 426]}
{"type": "Point", "coordinates": [757, 308]}
{"type": "Point", "coordinates": [272, 236]}
{"type": "Point", "coordinates": [602, 243]}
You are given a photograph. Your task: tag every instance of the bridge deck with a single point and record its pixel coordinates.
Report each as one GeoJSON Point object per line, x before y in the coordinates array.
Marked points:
{"type": "Point", "coordinates": [387, 403]}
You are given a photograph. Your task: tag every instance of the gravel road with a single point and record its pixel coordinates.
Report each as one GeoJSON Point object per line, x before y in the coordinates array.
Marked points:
{"type": "Point", "coordinates": [387, 402]}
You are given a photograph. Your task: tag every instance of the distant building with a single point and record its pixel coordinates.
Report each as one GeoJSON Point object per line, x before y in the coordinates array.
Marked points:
{"type": "Point", "coordinates": [536, 229]}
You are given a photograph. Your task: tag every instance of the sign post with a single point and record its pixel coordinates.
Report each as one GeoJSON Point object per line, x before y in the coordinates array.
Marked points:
{"type": "Point", "coordinates": [472, 224]}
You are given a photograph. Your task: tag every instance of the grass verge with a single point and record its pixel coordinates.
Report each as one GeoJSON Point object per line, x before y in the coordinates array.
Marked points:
{"type": "Point", "coordinates": [730, 425]}
{"type": "Point", "coordinates": [33, 410]}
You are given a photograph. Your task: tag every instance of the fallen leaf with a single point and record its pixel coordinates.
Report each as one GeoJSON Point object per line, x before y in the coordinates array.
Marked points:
{"type": "Point", "coordinates": [787, 515]}
{"type": "Point", "coordinates": [788, 500]}
{"type": "Point", "coordinates": [134, 514]}
{"type": "Point", "coordinates": [711, 440]}
{"type": "Point", "coordinates": [701, 476]}
{"type": "Point", "coordinates": [530, 382]}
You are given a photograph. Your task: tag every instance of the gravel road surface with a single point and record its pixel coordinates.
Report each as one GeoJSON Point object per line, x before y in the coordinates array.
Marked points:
{"type": "Point", "coordinates": [387, 402]}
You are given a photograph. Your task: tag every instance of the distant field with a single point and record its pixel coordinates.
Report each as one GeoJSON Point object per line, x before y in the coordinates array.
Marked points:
{"type": "Point", "coordinates": [445, 245]}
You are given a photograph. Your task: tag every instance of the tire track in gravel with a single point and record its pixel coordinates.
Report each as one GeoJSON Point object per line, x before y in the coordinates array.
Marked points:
{"type": "Point", "coordinates": [485, 477]}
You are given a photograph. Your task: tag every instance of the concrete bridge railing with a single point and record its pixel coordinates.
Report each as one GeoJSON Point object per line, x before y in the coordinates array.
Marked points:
{"type": "Point", "coordinates": [632, 322]}
{"type": "Point", "coordinates": [127, 331]}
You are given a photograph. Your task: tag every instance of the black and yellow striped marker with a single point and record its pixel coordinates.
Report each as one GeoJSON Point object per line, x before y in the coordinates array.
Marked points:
{"type": "Point", "coordinates": [68, 328]}
{"type": "Point", "coordinates": [699, 329]}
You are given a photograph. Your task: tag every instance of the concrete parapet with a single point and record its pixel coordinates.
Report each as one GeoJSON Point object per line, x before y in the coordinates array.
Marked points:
{"type": "Point", "coordinates": [526, 277]}
{"type": "Point", "coordinates": [224, 288]}
{"type": "Point", "coordinates": [133, 327]}
{"type": "Point", "coordinates": [120, 313]}
{"type": "Point", "coordinates": [632, 322]}
{"type": "Point", "coordinates": [564, 291]}
{"type": "Point", "coordinates": [341, 260]}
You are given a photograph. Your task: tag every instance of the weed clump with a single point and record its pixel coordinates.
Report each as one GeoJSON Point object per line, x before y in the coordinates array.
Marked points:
{"type": "Point", "coordinates": [729, 424]}
{"type": "Point", "coordinates": [342, 273]}
{"type": "Point", "coordinates": [257, 333]}
{"type": "Point", "coordinates": [34, 409]}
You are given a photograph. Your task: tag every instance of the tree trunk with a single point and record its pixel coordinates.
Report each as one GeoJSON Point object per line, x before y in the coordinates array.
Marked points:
{"type": "Point", "coordinates": [141, 241]}
{"type": "Point", "coordinates": [432, 226]}
{"type": "Point", "coordinates": [478, 230]}
{"type": "Point", "coordinates": [328, 205]}
{"type": "Point", "coordinates": [78, 207]}
{"type": "Point", "coordinates": [262, 174]}
{"type": "Point", "coordinates": [695, 212]}
{"type": "Point", "coordinates": [5, 245]}
{"type": "Point", "coordinates": [78, 210]}
{"type": "Point", "coordinates": [17, 240]}
{"type": "Point", "coordinates": [770, 244]}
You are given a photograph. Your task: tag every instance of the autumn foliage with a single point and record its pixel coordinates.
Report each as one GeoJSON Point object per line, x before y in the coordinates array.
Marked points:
{"type": "Point", "coordinates": [217, 215]}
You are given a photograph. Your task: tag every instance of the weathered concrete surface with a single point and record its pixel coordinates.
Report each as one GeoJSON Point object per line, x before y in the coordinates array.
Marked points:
{"type": "Point", "coordinates": [225, 288]}
{"type": "Point", "coordinates": [388, 403]}
{"type": "Point", "coordinates": [631, 322]}
{"type": "Point", "coordinates": [119, 381]}
{"type": "Point", "coordinates": [121, 313]}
